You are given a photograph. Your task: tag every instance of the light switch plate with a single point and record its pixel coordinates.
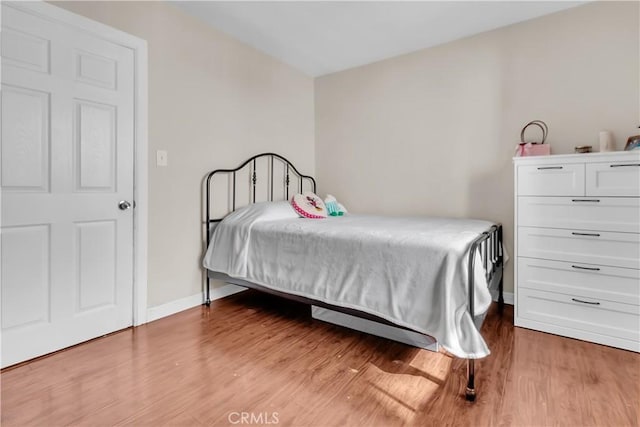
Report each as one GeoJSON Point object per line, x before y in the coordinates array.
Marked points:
{"type": "Point", "coordinates": [161, 158]}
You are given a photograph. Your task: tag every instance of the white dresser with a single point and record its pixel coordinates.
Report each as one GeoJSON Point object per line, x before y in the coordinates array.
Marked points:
{"type": "Point", "coordinates": [577, 246]}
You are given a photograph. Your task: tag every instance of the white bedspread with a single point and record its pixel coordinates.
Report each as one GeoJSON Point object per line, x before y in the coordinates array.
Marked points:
{"type": "Point", "coordinates": [410, 271]}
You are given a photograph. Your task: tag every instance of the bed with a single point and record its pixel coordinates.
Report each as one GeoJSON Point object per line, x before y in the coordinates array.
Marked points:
{"type": "Point", "coordinates": [398, 277]}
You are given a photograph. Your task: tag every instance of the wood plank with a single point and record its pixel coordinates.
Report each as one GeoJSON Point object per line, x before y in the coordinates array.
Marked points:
{"type": "Point", "coordinates": [263, 356]}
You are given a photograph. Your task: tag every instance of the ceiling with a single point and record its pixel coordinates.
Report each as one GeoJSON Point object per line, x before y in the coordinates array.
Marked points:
{"type": "Point", "coordinates": [324, 37]}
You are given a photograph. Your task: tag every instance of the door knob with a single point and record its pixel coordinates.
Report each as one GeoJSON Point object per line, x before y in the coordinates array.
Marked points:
{"type": "Point", "coordinates": [124, 205]}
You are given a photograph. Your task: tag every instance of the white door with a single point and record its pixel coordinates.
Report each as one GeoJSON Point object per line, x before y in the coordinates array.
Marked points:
{"type": "Point", "coordinates": [66, 163]}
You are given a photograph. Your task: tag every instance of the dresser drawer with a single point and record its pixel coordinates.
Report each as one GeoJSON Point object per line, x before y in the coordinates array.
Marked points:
{"type": "Point", "coordinates": [611, 284]}
{"type": "Point", "coordinates": [580, 213]}
{"type": "Point", "coordinates": [613, 179]}
{"type": "Point", "coordinates": [557, 310]}
{"type": "Point", "coordinates": [590, 247]}
{"type": "Point", "coordinates": [551, 180]}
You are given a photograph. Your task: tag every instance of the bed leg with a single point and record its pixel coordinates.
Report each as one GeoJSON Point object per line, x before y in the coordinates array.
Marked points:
{"type": "Point", "coordinates": [470, 392]}
{"type": "Point", "coordinates": [501, 284]}
{"type": "Point", "coordinates": [207, 302]}
{"type": "Point", "coordinates": [501, 296]}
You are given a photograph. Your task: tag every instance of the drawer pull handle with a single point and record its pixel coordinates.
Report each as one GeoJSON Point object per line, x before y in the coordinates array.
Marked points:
{"type": "Point", "coordinates": [586, 200]}
{"type": "Point", "coordinates": [549, 167]}
{"type": "Point", "coordinates": [586, 268]}
{"type": "Point", "coordinates": [625, 165]}
{"type": "Point", "coordinates": [585, 234]}
{"type": "Point", "coordinates": [585, 302]}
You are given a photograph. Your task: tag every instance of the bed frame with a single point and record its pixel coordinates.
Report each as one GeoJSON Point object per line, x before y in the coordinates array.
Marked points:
{"type": "Point", "coordinates": [278, 186]}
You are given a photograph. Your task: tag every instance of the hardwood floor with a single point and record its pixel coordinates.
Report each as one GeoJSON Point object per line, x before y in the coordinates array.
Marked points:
{"type": "Point", "coordinates": [254, 359]}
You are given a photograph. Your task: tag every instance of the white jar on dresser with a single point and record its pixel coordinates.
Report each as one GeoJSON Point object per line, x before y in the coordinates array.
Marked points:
{"type": "Point", "coordinates": [577, 246]}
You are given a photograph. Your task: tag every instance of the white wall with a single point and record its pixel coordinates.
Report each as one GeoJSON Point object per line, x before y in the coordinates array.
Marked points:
{"type": "Point", "coordinates": [213, 102]}
{"type": "Point", "coordinates": [430, 132]}
{"type": "Point", "coordinates": [433, 132]}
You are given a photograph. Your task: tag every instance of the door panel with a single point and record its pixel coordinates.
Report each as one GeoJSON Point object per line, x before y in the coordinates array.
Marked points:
{"type": "Point", "coordinates": [25, 136]}
{"type": "Point", "coordinates": [95, 145]}
{"type": "Point", "coordinates": [67, 160]}
{"type": "Point", "coordinates": [95, 70]}
{"type": "Point", "coordinates": [96, 260]}
{"type": "Point", "coordinates": [25, 50]}
{"type": "Point", "coordinates": [25, 276]}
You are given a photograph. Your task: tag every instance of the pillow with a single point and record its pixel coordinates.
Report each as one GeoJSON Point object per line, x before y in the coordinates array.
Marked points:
{"type": "Point", "coordinates": [309, 205]}
{"type": "Point", "coordinates": [262, 211]}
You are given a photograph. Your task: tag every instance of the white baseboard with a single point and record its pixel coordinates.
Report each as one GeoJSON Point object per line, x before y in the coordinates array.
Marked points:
{"type": "Point", "coordinates": [173, 307]}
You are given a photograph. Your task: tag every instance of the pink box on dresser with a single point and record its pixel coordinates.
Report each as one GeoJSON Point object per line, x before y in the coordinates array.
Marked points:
{"type": "Point", "coordinates": [529, 149]}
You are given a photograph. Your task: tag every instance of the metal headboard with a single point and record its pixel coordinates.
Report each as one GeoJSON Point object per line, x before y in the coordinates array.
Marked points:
{"type": "Point", "coordinates": [292, 182]}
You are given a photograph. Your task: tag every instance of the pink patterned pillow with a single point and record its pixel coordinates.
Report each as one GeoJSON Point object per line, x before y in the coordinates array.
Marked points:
{"type": "Point", "coordinates": [309, 205]}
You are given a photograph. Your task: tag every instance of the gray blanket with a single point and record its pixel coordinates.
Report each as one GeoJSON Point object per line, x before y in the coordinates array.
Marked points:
{"type": "Point", "coordinates": [410, 271]}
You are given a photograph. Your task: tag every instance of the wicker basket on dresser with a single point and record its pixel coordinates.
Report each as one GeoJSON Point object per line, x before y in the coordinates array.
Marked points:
{"type": "Point", "coordinates": [577, 246]}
